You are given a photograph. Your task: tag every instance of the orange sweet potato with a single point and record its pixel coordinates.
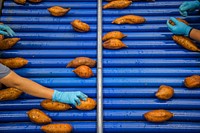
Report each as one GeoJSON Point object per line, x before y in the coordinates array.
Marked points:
{"type": "Point", "coordinates": [165, 92]}
{"type": "Point", "coordinates": [83, 71]}
{"type": "Point", "coordinates": [35, 1]}
{"type": "Point", "coordinates": [80, 26]}
{"type": "Point", "coordinates": [39, 117]}
{"type": "Point", "coordinates": [58, 11]}
{"type": "Point", "coordinates": [186, 43]}
{"type": "Point", "coordinates": [8, 43]}
{"type": "Point", "coordinates": [14, 62]}
{"type": "Point", "coordinates": [89, 104]}
{"type": "Point", "coordinates": [179, 19]}
{"type": "Point", "coordinates": [79, 61]}
{"type": "Point", "coordinates": [132, 0]}
{"type": "Point", "coordinates": [129, 19]}
{"type": "Point", "coordinates": [114, 44]}
{"type": "Point", "coordinates": [192, 81]}
{"type": "Point", "coordinates": [158, 115]}
{"type": "Point", "coordinates": [9, 94]}
{"type": "Point", "coordinates": [20, 1]}
{"type": "Point", "coordinates": [54, 106]}
{"type": "Point", "coordinates": [117, 4]}
{"type": "Point", "coordinates": [57, 128]}
{"type": "Point", "coordinates": [113, 35]}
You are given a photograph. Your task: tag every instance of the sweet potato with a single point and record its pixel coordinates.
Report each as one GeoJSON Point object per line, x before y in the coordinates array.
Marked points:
{"type": "Point", "coordinates": [83, 71]}
{"type": "Point", "coordinates": [132, 0]}
{"type": "Point", "coordinates": [186, 43]}
{"type": "Point", "coordinates": [129, 19]}
{"type": "Point", "coordinates": [79, 61]}
{"type": "Point", "coordinates": [57, 128]}
{"type": "Point", "coordinates": [192, 81]}
{"type": "Point", "coordinates": [80, 26]}
{"type": "Point", "coordinates": [89, 104]}
{"type": "Point", "coordinates": [113, 35]}
{"type": "Point", "coordinates": [165, 92]}
{"type": "Point", "coordinates": [117, 5]}
{"type": "Point", "coordinates": [54, 106]}
{"type": "Point", "coordinates": [179, 19]}
{"type": "Point", "coordinates": [35, 1]}
{"type": "Point", "coordinates": [22, 2]}
{"type": "Point", "coordinates": [9, 94]}
{"type": "Point", "coordinates": [58, 11]}
{"type": "Point", "coordinates": [8, 43]}
{"type": "Point", "coordinates": [158, 115]}
{"type": "Point", "coordinates": [39, 117]}
{"type": "Point", "coordinates": [114, 44]}
{"type": "Point", "coordinates": [14, 62]}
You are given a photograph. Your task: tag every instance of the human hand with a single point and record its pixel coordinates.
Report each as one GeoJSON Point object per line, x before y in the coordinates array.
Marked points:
{"type": "Point", "coordinates": [69, 97]}
{"type": "Point", "coordinates": [188, 6]}
{"type": "Point", "coordinates": [6, 30]}
{"type": "Point", "coordinates": [179, 28]}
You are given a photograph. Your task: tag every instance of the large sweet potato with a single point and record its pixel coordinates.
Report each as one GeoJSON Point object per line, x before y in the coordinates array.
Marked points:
{"type": "Point", "coordinates": [58, 11]}
{"type": "Point", "coordinates": [22, 2]}
{"type": "Point", "coordinates": [165, 92]}
{"type": "Point", "coordinates": [84, 71]}
{"type": "Point", "coordinates": [117, 4]}
{"type": "Point", "coordinates": [192, 81]}
{"type": "Point", "coordinates": [14, 62]}
{"type": "Point", "coordinates": [8, 43]}
{"type": "Point", "coordinates": [35, 1]}
{"type": "Point", "coordinates": [79, 61]}
{"type": "Point", "coordinates": [113, 35]}
{"type": "Point", "coordinates": [89, 104]}
{"type": "Point", "coordinates": [10, 94]}
{"type": "Point", "coordinates": [114, 44]}
{"type": "Point", "coordinates": [57, 128]}
{"type": "Point", "coordinates": [80, 26]}
{"type": "Point", "coordinates": [129, 19]}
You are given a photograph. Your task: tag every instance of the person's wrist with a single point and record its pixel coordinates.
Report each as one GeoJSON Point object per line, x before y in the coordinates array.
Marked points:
{"type": "Point", "coordinates": [187, 30]}
{"type": "Point", "coordinates": [56, 95]}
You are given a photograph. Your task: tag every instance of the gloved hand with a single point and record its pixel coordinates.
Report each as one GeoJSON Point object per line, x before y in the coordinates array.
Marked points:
{"type": "Point", "coordinates": [188, 6]}
{"type": "Point", "coordinates": [69, 97]}
{"type": "Point", "coordinates": [179, 28]}
{"type": "Point", "coordinates": [6, 30]}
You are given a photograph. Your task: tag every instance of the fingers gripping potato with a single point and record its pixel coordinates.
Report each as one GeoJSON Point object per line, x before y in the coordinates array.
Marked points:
{"type": "Point", "coordinates": [114, 44]}
{"type": "Point", "coordinates": [117, 4]}
{"type": "Point", "coordinates": [8, 43]}
{"type": "Point", "coordinates": [14, 62]}
{"type": "Point", "coordinates": [57, 128]}
{"type": "Point", "coordinates": [20, 1]}
{"type": "Point", "coordinates": [165, 92]}
{"type": "Point", "coordinates": [58, 11]}
{"type": "Point", "coordinates": [54, 106]}
{"type": "Point", "coordinates": [129, 19]}
{"type": "Point", "coordinates": [9, 94]}
{"type": "Point", "coordinates": [79, 61]}
{"type": "Point", "coordinates": [80, 26]}
{"type": "Point", "coordinates": [192, 81]}
{"type": "Point", "coordinates": [179, 19]}
{"type": "Point", "coordinates": [84, 71]}
{"type": "Point", "coordinates": [113, 35]}
{"type": "Point", "coordinates": [38, 117]}
{"type": "Point", "coordinates": [89, 104]}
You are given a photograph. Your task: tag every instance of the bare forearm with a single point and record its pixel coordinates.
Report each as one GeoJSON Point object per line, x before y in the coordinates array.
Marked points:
{"type": "Point", "coordinates": [195, 34]}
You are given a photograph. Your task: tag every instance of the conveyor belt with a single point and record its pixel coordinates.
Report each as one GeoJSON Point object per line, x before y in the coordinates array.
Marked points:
{"type": "Point", "coordinates": [131, 76]}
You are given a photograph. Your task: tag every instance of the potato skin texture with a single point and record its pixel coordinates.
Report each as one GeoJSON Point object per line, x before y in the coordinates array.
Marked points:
{"type": "Point", "coordinates": [10, 94]}
{"type": "Point", "coordinates": [89, 104]}
{"type": "Point", "coordinates": [14, 62]}
{"type": "Point", "coordinates": [129, 19]}
{"type": "Point", "coordinates": [165, 92]}
{"type": "Point", "coordinates": [39, 117]}
{"type": "Point", "coordinates": [192, 81]}
{"type": "Point", "coordinates": [113, 35]}
{"type": "Point", "coordinates": [79, 61]}
{"type": "Point", "coordinates": [117, 5]}
{"type": "Point", "coordinates": [35, 1]}
{"type": "Point", "coordinates": [114, 44]}
{"type": "Point", "coordinates": [157, 116]}
{"type": "Point", "coordinates": [179, 19]}
{"type": "Point", "coordinates": [186, 43]}
{"type": "Point", "coordinates": [22, 2]}
{"type": "Point", "coordinates": [8, 43]}
{"type": "Point", "coordinates": [54, 106]}
{"type": "Point", "coordinates": [57, 128]}
{"type": "Point", "coordinates": [83, 71]}
{"type": "Point", "coordinates": [80, 26]}
{"type": "Point", "coordinates": [58, 11]}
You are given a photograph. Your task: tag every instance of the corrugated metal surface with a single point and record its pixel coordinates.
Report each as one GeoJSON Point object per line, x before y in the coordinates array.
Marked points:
{"type": "Point", "coordinates": [131, 76]}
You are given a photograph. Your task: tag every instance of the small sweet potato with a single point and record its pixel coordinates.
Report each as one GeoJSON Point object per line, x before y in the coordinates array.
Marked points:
{"type": "Point", "coordinates": [79, 61]}
{"type": "Point", "coordinates": [57, 128]}
{"type": "Point", "coordinates": [8, 43]}
{"type": "Point", "coordinates": [117, 4]}
{"type": "Point", "coordinates": [113, 35]}
{"type": "Point", "coordinates": [179, 19]}
{"type": "Point", "coordinates": [39, 117]}
{"type": "Point", "coordinates": [35, 1]}
{"type": "Point", "coordinates": [80, 26]}
{"type": "Point", "coordinates": [114, 44]}
{"type": "Point", "coordinates": [14, 62]}
{"type": "Point", "coordinates": [58, 11]}
{"type": "Point", "coordinates": [158, 115]}
{"type": "Point", "coordinates": [54, 106]}
{"type": "Point", "coordinates": [22, 2]}
{"type": "Point", "coordinates": [165, 92]}
{"type": "Point", "coordinates": [10, 94]}
{"type": "Point", "coordinates": [83, 71]}
{"type": "Point", "coordinates": [89, 104]}
{"type": "Point", "coordinates": [129, 19]}
{"type": "Point", "coordinates": [192, 81]}
{"type": "Point", "coordinates": [186, 43]}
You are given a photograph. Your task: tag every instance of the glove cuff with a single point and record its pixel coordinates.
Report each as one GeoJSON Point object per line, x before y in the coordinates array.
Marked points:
{"type": "Point", "coordinates": [188, 30]}
{"type": "Point", "coordinates": [56, 95]}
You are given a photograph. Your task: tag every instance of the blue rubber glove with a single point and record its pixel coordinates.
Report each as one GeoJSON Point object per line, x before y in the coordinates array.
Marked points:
{"type": "Point", "coordinates": [69, 97]}
{"type": "Point", "coordinates": [179, 28]}
{"type": "Point", "coordinates": [188, 6]}
{"type": "Point", "coordinates": [6, 30]}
